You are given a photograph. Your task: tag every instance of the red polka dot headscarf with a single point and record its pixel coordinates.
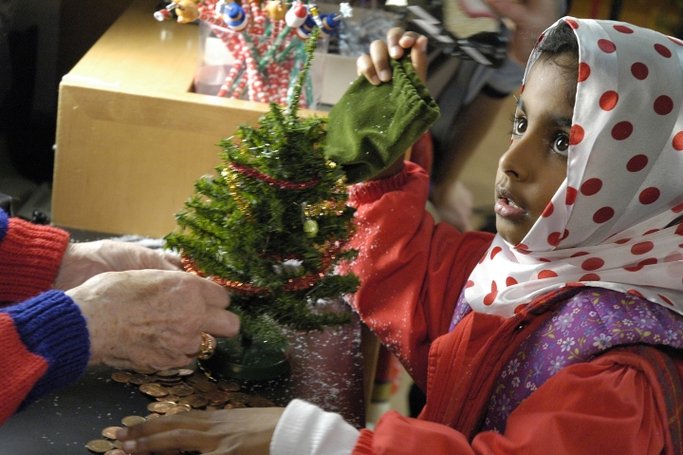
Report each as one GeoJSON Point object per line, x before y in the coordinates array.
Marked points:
{"type": "Point", "coordinates": [614, 222]}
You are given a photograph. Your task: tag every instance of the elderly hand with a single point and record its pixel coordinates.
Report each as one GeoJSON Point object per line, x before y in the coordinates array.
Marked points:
{"type": "Point", "coordinates": [375, 66]}
{"type": "Point", "coordinates": [151, 319]}
{"type": "Point", "coordinates": [245, 431]}
{"type": "Point", "coordinates": [84, 260]}
{"type": "Point", "coordinates": [531, 17]}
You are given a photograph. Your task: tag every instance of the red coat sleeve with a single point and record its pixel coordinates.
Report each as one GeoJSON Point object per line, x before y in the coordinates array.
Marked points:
{"type": "Point", "coordinates": [22, 367]}
{"type": "Point", "coordinates": [613, 404]}
{"type": "Point", "coordinates": [30, 256]}
{"type": "Point", "coordinates": [411, 269]}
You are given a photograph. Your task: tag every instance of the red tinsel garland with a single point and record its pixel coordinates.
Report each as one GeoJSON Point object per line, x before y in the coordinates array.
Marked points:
{"type": "Point", "coordinates": [281, 184]}
{"type": "Point", "coordinates": [293, 284]}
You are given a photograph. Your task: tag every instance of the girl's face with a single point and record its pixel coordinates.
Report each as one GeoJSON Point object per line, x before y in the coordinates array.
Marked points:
{"type": "Point", "coordinates": [535, 164]}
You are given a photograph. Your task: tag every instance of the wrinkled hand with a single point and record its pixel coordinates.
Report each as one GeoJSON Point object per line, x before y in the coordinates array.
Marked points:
{"type": "Point", "coordinates": [375, 66]}
{"type": "Point", "coordinates": [531, 17]}
{"type": "Point", "coordinates": [151, 319]}
{"type": "Point", "coordinates": [84, 260]}
{"type": "Point", "coordinates": [245, 431]}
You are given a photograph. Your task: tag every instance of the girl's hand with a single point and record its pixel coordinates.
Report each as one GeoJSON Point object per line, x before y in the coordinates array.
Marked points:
{"type": "Point", "coordinates": [245, 431]}
{"type": "Point", "coordinates": [84, 260]}
{"type": "Point", "coordinates": [375, 66]}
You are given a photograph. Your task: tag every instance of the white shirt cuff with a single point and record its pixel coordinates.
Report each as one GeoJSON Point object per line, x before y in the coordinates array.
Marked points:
{"type": "Point", "coordinates": [305, 429]}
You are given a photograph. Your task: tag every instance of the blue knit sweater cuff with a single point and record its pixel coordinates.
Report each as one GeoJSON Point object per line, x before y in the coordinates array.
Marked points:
{"type": "Point", "coordinates": [51, 325]}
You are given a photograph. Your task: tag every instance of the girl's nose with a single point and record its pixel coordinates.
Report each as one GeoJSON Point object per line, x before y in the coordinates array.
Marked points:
{"type": "Point", "coordinates": [517, 161]}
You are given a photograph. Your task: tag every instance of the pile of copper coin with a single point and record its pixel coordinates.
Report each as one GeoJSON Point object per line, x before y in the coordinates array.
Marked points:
{"type": "Point", "coordinates": [173, 392]}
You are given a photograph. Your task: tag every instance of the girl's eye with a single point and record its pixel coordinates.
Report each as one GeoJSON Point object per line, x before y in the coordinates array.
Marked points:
{"type": "Point", "coordinates": [561, 144]}
{"type": "Point", "coordinates": [519, 125]}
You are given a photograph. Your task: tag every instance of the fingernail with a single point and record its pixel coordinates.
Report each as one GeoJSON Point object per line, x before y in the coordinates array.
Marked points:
{"type": "Point", "coordinates": [394, 51]}
{"type": "Point", "coordinates": [374, 80]}
{"type": "Point", "coordinates": [128, 446]}
{"type": "Point", "coordinates": [385, 75]}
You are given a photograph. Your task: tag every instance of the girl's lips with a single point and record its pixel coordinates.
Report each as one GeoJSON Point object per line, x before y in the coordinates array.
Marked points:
{"type": "Point", "coordinates": [506, 207]}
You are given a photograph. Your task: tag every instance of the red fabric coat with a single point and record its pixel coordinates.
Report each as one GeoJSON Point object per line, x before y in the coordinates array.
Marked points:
{"type": "Point", "coordinates": [412, 272]}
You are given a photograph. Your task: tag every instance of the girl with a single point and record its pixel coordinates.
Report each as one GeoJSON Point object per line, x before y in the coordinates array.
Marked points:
{"type": "Point", "coordinates": [561, 334]}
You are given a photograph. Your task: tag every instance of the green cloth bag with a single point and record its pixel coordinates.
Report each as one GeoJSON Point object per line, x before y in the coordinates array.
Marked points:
{"type": "Point", "coordinates": [371, 126]}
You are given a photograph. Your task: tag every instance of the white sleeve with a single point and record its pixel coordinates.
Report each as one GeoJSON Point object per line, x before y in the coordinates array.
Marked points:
{"type": "Point", "coordinates": [305, 429]}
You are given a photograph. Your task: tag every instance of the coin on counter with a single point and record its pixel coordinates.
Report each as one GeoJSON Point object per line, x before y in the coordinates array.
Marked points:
{"type": "Point", "coordinates": [194, 401]}
{"type": "Point", "coordinates": [140, 378]}
{"type": "Point", "coordinates": [238, 397]}
{"type": "Point", "coordinates": [167, 373]}
{"type": "Point", "coordinates": [169, 397]}
{"type": "Point", "coordinates": [99, 445]}
{"type": "Point", "coordinates": [153, 390]}
{"type": "Point", "coordinates": [145, 371]}
{"type": "Point", "coordinates": [229, 386]}
{"type": "Point", "coordinates": [219, 397]}
{"type": "Point", "coordinates": [115, 452]}
{"type": "Point", "coordinates": [110, 432]}
{"type": "Point", "coordinates": [179, 409]}
{"type": "Point", "coordinates": [181, 390]}
{"type": "Point", "coordinates": [160, 407]}
{"type": "Point", "coordinates": [201, 383]}
{"type": "Point", "coordinates": [129, 421]}
{"type": "Point", "coordinates": [183, 372]}
{"type": "Point", "coordinates": [121, 376]}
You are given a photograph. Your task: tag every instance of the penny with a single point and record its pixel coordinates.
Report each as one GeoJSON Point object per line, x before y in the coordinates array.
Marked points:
{"type": "Point", "coordinates": [178, 409]}
{"type": "Point", "coordinates": [218, 397]}
{"type": "Point", "coordinates": [160, 406]}
{"type": "Point", "coordinates": [195, 401]}
{"type": "Point", "coordinates": [152, 416]}
{"type": "Point", "coordinates": [153, 390]}
{"type": "Point", "coordinates": [121, 376]}
{"type": "Point", "coordinates": [167, 373]}
{"type": "Point", "coordinates": [183, 372]}
{"type": "Point", "coordinates": [110, 432]}
{"type": "Point", "coordinates": [129, 421]}
{"type": "Point", "coordinates": [144, 371]}
{"type": "Point", "coordinates": [139, 379]}
{"type": "Point", "coordinates": [238, 398]}
{"type": "Point", "coordinates": [99, 445]}
{"type": "Point", "coordinates": [228, 386]}
{"type": "Point", "coordinates": [169, 382]}
{"type": "Point", "coordinates": [230, 405]}
{"type": "Point", "coordinates": [201, 383]}
{"type": "Point", "coordinates": [169, 397]}
{"type": "Point", "coordinates": [181, 390]}
{"type": "Point", "coordinates": [115, 452]}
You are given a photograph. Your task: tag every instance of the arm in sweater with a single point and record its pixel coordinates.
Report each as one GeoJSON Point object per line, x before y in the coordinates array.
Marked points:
{"type": "Point", "coordinates": [613, 404]}
{"type": "Point", "coordinates": [44, 341]}
{"type": "Point", "coordinates": [411, 269]}
{"type": "Point", "coordinates": [30, 256]}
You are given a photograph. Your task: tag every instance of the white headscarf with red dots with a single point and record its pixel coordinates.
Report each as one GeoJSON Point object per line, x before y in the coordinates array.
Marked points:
{"type": "Point", "coordinates": [606, 226]}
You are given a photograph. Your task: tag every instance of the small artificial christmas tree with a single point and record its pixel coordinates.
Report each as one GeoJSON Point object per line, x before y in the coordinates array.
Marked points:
{"type": "Point", "coordinates": [272, 225]}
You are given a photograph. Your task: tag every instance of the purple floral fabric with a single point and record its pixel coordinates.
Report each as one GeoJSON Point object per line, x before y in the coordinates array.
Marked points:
{"type": "Point", "coordinates": [588, 323]}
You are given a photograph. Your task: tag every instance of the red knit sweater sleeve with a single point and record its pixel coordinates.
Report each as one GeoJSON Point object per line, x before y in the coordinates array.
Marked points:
{"type": "Point", "coordinates": [30, 256]}
{"type": "Point", "coordinates": [411, 269]}
{"type": "Point", "coordinates": [610, 405]}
